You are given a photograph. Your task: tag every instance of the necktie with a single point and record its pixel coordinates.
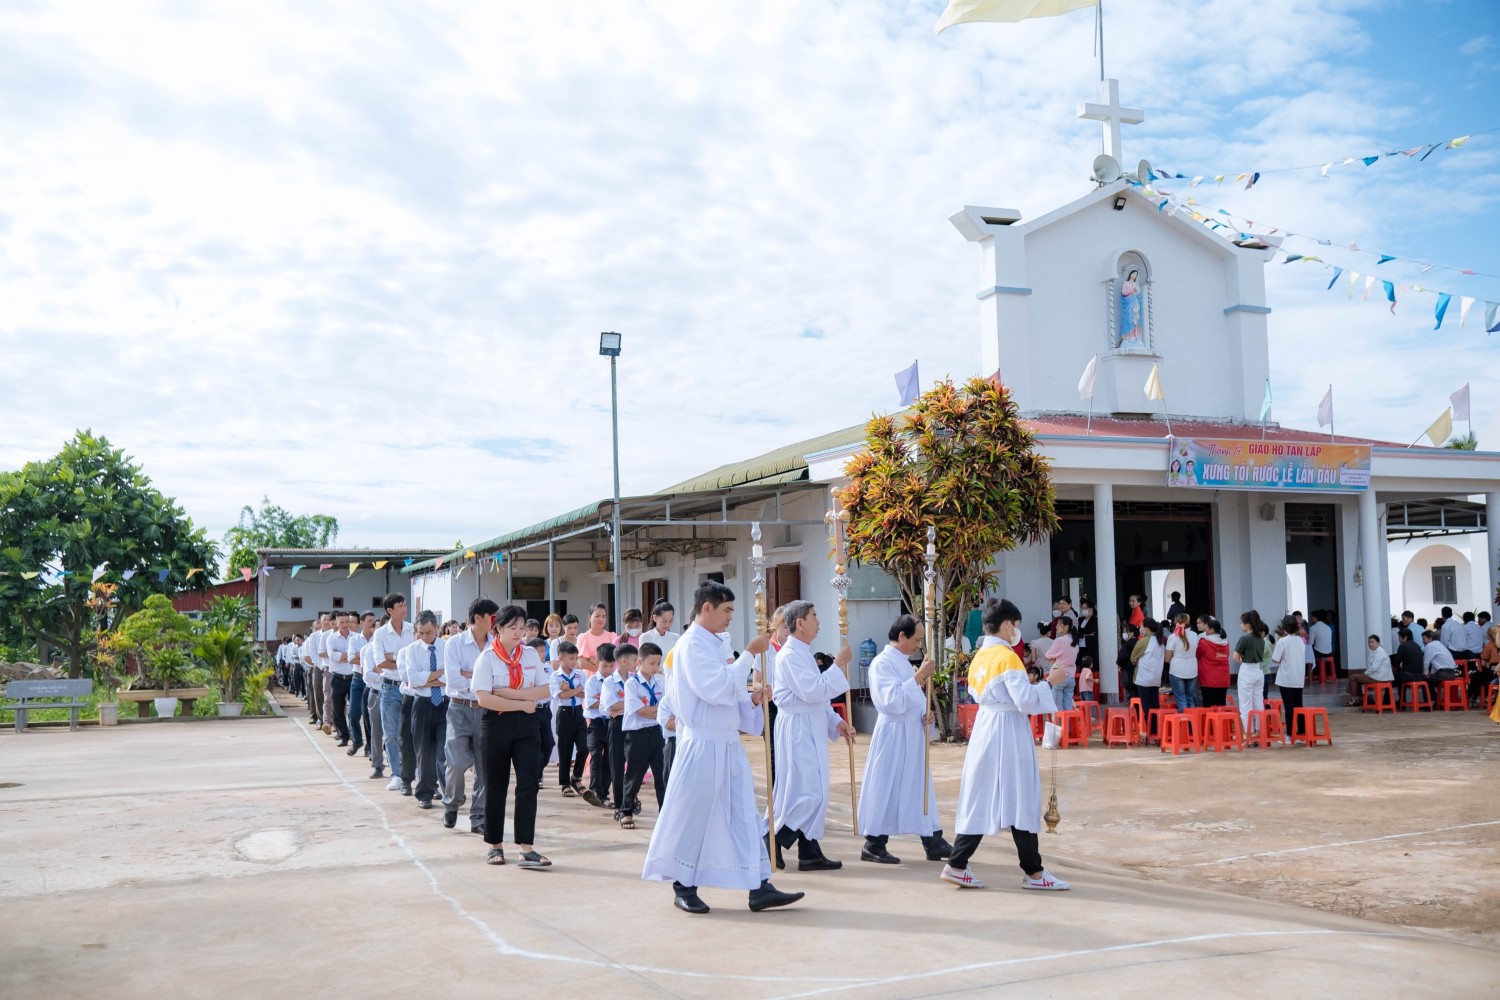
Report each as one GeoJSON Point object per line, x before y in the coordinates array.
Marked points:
{"type": "Point", "coordinates": [437, 692]}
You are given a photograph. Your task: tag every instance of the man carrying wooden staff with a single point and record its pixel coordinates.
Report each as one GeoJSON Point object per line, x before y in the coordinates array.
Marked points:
{"type": "Point", "coordinates": [805, 724]}
{"type": "Point", "coordinates": [898, 796]}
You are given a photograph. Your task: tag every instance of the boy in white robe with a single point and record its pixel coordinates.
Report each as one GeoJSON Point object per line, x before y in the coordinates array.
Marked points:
{"type": "Point", "coordinates": [890, 798]}
{"type": "Point", "coordinates": [805, 724]}
{"type": "Point", "coordinates": [1001, 786]}
{"type": "Point", "coordinates": [709, 832]}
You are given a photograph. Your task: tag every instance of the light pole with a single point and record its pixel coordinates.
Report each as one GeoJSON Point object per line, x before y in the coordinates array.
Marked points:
{"type": "Point", "coordinates": [609, 347]}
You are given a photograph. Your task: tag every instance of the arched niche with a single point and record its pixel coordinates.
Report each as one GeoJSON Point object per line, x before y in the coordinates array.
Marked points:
{"type": "Point", "coordinates": [1128, 293]}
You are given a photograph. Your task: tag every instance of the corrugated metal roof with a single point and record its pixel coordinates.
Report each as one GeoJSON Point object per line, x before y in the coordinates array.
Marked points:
{"type": "Point", "coordinates": [499, 542]}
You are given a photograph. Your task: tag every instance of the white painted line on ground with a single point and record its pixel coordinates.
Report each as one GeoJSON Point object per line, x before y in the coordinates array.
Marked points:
{"type": "Point", "coordinates": [1346, 843]}
{"type": "Point", "coordinates": [505, 948]}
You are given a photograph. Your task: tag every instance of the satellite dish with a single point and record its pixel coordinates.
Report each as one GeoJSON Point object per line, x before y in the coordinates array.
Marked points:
{"type": "Point", "coordinates": [1106, 169]}
{"type": "Point", "coordinates": [1144, 173]}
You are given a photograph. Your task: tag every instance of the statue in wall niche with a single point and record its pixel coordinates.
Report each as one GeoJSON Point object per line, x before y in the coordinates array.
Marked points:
{"type": "Point", "coordinates": [1132, 329]}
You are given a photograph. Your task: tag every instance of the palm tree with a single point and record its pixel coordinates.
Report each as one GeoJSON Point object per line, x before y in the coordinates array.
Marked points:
{"type": "Point", "coordinates": [228, 654]}
{"type": "Point", "coordinates": [1466, 442]}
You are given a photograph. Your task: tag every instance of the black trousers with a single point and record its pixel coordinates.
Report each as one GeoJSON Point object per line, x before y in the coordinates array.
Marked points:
{"type": "Point", "coordinates": [598, 742]}
{"type": "Point", "coordinates": [667, 754]}
{"type": "Point", "coordinates": [644, 751]}
{"type": "Point", "coordinates": [1291, 700]}
{"type": "Point", "coordinates": [1214, 697]}
{"type": "Point", "coordinates": [1478, 678]}
{"type": "Point", "coordinates": [408, 748]}
{"type": "Point", "coordinates": [572, 744]}
{"type": "Point", "coordinates": [617, 762]}
{"type": "Point", "coordinates": [341, 684]}
{"type": "Point", "coordinates": [543, 716]}
{"type": "Point", "coordinates": [928, 843]}
{"type": "Point", "coordinates": [299, 681]}
{"type": "Point", "coordinates": [508, 740]}
{"type": "Point", "coordinates": [429, 731]}
{"type": "Point", "coordinates": [1027, 852]}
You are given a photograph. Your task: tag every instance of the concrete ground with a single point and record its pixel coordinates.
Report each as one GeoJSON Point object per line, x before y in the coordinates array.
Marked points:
{"type": "Point", "coordinates": [252, 858]}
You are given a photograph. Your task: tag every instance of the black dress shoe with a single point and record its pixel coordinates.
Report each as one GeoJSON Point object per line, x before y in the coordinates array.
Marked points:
{"type": "Point", "coordinates": [406, 788]}
{"type": "Point", "coordinates": [477, 828]}
{"type": "Point", "coordinates": [354, 749]}
{"type": "Point", "coordinates": [768, 897]}
{"type": "Point", "coordinates": [379, 772]}
{"type": "Point", "coordinates": [880, 856]}
{"type": "Point", "coordinates": [450, 818]}
{"type": "Point", "coordinates": [342, 743]}
{"type": "Point", "coordinates": [424, 803]}
{"type": "Point", "coordinates": [819, 865]}
{"type": "Point", "coordinates": [941, 851]}
{"type": "Point", "coordinates": [689, 902]}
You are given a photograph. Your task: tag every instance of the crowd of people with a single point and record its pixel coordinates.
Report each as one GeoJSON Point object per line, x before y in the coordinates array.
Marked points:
{"type": "Point", "coordinates": [458, 710]}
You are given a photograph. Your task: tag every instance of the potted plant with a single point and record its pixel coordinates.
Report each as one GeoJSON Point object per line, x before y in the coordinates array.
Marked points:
{"type": "Point", "coordinates": [229, 656]}
{"type": "Point", "coordinates": [106, 663]}
{"type": "Point", "coordinates": [169, 668]}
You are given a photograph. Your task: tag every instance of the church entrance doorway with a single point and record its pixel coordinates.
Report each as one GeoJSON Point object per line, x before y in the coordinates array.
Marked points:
{"type": "Point", "coordinates": [1312, 559]}
{"type": "Point", "coordinates": [1159, 548]}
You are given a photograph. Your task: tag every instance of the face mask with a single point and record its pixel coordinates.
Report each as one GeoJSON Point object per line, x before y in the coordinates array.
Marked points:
{"type": "Point", "coordinates": [1056, 613]}
{"type": "Point", "coordinates": [633, 631]}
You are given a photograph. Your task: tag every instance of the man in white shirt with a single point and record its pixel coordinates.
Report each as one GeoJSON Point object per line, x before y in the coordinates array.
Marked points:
{"type": "Point", "coordinates": [1436, 656]}
{"type": "Point", "coordinates": [312, 659]}
{"type": "Point", "coordinates": [805, 724]}
{"type": "Point", "coordinates": [429, 710]}
{"type": "Point", "coordinates": [341, 673]}
{"type": "Point", "coordinates": [1321, 634]}
{"type": "Point", "coordinates": [359, 715]}
{"type": "Point", "coordinates": [375, 725]}
{"type": "Point", "coordinates": [389, 641]}
{"type": "Point", "coordinates": [1451, 634]}
{"type": "Point", "coordinates": [325, 664]}
{"type": "Point", "coordinates": [465, 717]}
{"type": "Point", "coordinates": [1473, 635]}
{"type": "Point", "coordinates": [660, 633]}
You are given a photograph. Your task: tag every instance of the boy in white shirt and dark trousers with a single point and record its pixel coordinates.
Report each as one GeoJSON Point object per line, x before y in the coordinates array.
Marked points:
{"type": "Point", "coordinates": [567, 687]}
{"type": "Point", "coordinates": [543, 711]}
{"type": "Point", "coordinates": [465, 717]}
{"type": "Point", "coordinates": [644, 743]}
{"type": "Point", "coordinates": [429, 711]}
{"type": "Point", "coordinates": [597, 794]}
{"type": "Point", "coordinates": [612, 704]}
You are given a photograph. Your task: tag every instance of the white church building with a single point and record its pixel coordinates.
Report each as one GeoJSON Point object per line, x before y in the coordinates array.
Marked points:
{"type": "Point", "coordinates": [1234, 514]}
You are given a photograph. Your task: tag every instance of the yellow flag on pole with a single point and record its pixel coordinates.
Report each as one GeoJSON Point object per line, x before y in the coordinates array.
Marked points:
{"type": "Point", "coordinates": [970, 11]}
{"type": "Point", "coordinates": [1153, 385]}
{"type": "Point", "coordinates": [1441, 429]}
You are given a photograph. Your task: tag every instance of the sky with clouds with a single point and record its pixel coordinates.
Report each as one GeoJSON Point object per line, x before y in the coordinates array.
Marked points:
{"type": "Point", "coordinates": [356, 257]}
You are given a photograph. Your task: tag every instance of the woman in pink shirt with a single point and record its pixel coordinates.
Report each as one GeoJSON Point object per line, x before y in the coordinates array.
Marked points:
{"type": "Point", "coordinates": [588, 643]}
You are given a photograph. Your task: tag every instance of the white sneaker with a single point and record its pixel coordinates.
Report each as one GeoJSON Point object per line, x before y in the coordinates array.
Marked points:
{"type": "Point", "coordinates": [1047, 882]}
{"type": "Point", "coordinates": [964, 879]}
{"type": "Point", "coordinates": [395, 785]}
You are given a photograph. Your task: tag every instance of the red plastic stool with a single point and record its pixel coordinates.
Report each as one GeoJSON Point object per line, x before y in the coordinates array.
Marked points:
{"type": "Point", "coordinates": [1038, 726]}
{"type": "Point", "coordinates": [1305, 727]}
{"type": "Point", "coordinates": [1415, 697]}
{"type": "Point", "coordinates": [1095, 717]}
{"type": "Point", "coordinates": [1120, 729]}
{"type": "Point", "coordinates": [1138, 721]}
{"type": "Point", "coordinates": [1453, 696]}
{"type": "Point", "coordinates": [1177, 734]}
{"type": "Point", "coordinates": [1487, 696]}
{"type": "Point", "coordinates": [1379, 698]}
{"type": "Point", "coordinates": [1221, 730]}
{"type": "Point", "coordinates": [838, 707]}
{"type": "Point", "coordinates": [1324, 672]}
{"type": "Point", "coordinates": [1156, 721]}
{"type": "Point", "coordinates": [1075, 728]}
{"type": "Point", "coordinates": [1270, 728]}
{"type": "Point", "coordinates": [1168, 701]}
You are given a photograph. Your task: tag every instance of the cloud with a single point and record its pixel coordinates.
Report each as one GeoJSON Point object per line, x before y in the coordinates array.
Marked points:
{"type": "Point", "coordinates": [360, 263]}
{"type": "Point", "coordinates": [1476, 46]}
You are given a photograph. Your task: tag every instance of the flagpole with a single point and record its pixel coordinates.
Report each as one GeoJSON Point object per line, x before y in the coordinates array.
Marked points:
{"type": "Point", "coordinates": [1099, 22]}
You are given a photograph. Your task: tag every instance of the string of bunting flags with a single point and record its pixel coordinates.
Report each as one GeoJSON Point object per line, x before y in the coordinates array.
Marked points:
{"type": "Point", "coordinates": [1252, 177]}
{"type": "Point", "coordinates": [246, 573]}
{"type": "Point", "coordinates": [1393, 290]}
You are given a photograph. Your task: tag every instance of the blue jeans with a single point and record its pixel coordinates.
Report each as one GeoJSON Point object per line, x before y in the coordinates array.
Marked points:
{"type": "Point", "coordinates": [1062, 696]}
{"type": "Point", "coordinates": [1185, 691]}
{"type": "Point", "coordinates": [390, 724]}
{"type": "Point", "coordinates": [357, 709]}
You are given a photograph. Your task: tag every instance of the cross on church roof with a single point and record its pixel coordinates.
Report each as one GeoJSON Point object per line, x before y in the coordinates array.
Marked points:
{"type": "Point", "coordinates": [1111, 115]}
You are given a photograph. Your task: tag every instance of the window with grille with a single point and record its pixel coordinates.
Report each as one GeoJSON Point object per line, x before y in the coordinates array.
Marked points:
{"type": "Point", "coordinates": [1444, 585]}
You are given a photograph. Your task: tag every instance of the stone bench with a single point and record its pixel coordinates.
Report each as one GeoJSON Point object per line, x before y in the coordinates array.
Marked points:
{"type": "Point", "coordinates": [144, 696]}
{"type": "Point", "coordinates": [32, 694]}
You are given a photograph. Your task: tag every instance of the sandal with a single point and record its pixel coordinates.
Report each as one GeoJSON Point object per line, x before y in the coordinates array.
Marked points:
{"type": "Point", "coordinates": [627, 823]}
{"type": "Point", "coordinates": [531, 859]}
{"type": "Point", "coordinates": [496, 856]}
{"type": "Point", "coordinates": [568, 792]}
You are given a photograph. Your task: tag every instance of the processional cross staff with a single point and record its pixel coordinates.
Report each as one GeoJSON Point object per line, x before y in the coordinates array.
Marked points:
{"type": "Point", "coordinates": [837, 520]}
{"type": "Point", "coordinates": [929, 614]}
{"type": "Point", "coordinates": [758, 567]}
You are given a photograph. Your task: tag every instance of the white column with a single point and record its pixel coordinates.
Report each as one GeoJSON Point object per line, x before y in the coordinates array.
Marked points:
{"type": "Point", "coordinates": [1106, 601]}
{"type": "Point", "coordinates": [1492, 547]}
{"type": "Point", "coordinates": [1372, 569]}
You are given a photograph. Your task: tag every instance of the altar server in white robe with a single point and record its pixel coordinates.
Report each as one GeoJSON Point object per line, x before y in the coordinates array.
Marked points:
{"type": "Point", "coordinates": [708, 832]}
{"type": "Point", "coordinates": [890, 799]}
{"type": "Point", "coordinates": [805, 724]}
{"type": "Point", "coordinates": [1000, 786]}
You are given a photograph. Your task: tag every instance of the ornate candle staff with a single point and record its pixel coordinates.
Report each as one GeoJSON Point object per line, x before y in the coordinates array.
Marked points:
{"type": "Point", "coordinates": [929, 614]}
{"type": "Point", "coordinates": [836, 520]}
{"type": "Point", "coordinates": [758, 567]}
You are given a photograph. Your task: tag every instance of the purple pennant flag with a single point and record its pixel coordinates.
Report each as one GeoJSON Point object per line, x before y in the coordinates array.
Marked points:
{"type": "Point", "coordinates": [908, 384]}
